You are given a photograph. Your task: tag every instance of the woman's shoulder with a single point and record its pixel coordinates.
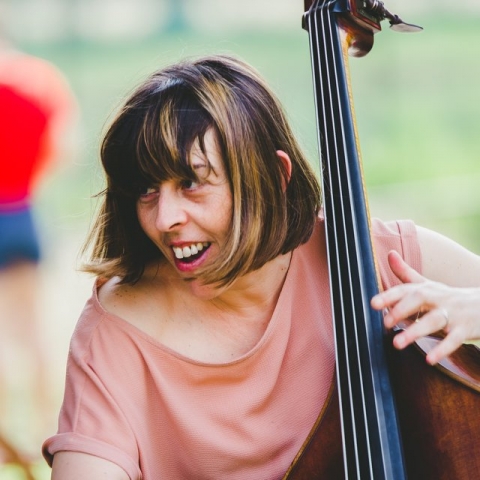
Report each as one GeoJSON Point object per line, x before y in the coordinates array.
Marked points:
{"type": "Point", "coordinates": [113, 322]}
{"type": "Point", "coordinates": [134, 303]}
{"type": "Point", "coordinates": [113, 295]}
{"type": "Point", "coordinates": [105, 305]}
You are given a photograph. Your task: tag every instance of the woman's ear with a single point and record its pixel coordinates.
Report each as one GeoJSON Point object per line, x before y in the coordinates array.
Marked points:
{"type": "Point", "coordinates": [287, 165]}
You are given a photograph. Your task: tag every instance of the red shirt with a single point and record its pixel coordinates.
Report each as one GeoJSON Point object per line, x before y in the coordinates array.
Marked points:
{"type": "Point", "coordinates": [36, 111]}
{"type": "Point", "coordinates": [22, 126]}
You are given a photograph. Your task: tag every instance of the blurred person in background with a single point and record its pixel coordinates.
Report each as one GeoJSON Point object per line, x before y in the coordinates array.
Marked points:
{"type": "Point", "coordinates": [37, 118]}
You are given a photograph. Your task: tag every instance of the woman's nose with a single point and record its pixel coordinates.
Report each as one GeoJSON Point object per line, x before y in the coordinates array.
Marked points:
{"type": "Point", "coordinates": [170, 209]}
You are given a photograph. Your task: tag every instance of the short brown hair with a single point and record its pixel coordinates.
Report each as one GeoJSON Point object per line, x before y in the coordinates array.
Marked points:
{"type": "Point", "coordinates": [150, 139]}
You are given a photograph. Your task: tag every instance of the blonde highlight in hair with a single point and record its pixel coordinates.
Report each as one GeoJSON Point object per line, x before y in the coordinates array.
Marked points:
{"type": "Point", "coordinates": [150, 141]}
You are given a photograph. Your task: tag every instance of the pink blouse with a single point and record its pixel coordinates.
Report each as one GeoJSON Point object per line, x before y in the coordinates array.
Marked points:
{"type": "Point", "coordinates": [159, 415]}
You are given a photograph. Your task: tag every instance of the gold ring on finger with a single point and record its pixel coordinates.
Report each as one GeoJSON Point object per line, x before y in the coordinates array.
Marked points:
{"type": "Point", "coordinates": [444, 312]}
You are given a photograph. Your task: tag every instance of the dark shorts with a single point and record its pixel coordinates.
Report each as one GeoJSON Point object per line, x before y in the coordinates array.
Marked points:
{"type": "Point", "coordinates": [18, 237]}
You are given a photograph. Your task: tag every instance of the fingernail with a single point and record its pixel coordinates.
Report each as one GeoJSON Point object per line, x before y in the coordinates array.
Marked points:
{"type": "Point", "coordinates": [430, 361]}
{"type": "Point", "coordinates": [400, 341]}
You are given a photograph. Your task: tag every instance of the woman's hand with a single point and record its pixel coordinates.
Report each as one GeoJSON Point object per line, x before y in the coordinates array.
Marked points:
{"type": "Point", "coordinates": [456, 311]}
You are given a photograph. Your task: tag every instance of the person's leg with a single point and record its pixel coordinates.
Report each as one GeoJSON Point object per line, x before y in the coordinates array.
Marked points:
{"type": "Point", "coordinates": [25, 406]}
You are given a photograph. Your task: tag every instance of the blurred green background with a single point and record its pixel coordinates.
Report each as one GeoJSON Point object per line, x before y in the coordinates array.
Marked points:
{"type": "Point", "coordinates": [416, 100]}
{"type": "Point", "coordinates": [416, 97]}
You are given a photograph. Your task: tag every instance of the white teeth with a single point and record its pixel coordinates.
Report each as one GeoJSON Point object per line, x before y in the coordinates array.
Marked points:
{"type": "Point", "coordinates": [186, 252]}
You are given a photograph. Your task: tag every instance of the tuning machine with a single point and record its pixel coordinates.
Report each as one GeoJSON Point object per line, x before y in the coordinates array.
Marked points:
{"type": "Point", "coordinates": [377, 8]}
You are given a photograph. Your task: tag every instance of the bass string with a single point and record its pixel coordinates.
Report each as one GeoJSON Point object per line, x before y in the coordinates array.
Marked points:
{"type": "Point", "coordinates": [342, 245]}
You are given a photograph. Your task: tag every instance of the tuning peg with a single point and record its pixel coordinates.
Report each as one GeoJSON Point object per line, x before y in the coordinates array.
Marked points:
{"type": "Point", "coordinates": [396, 23]}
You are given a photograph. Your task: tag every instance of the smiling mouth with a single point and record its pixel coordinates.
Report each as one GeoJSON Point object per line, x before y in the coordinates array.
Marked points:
{"type": "Point", "coordinates": [190, 253]}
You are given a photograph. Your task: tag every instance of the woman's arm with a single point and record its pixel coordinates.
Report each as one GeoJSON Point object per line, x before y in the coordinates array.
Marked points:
{"type": "Point", "coordinates": [446, 261]}
{"type": "Point", "coordinates": [447, 295]}
{"type": "Point", "coordinates": [80, 466]}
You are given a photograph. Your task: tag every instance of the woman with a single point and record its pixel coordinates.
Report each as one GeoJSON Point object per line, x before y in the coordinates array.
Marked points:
{"type": "Point", "coordinates": [206, 350]}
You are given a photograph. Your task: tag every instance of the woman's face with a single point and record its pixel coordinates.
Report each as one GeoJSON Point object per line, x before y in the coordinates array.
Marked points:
{"type": "Point", "coordinates": [189, 221]}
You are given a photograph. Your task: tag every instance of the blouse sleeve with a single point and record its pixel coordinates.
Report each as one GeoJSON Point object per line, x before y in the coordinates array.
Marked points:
{"type": "Point", "coordinates": [92, 420]}
{"type": "Point", "coordinates": [400, 236]}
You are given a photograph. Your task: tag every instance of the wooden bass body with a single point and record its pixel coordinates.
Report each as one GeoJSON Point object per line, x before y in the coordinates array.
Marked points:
{"type": "Point", "coordinates": [439, 419]}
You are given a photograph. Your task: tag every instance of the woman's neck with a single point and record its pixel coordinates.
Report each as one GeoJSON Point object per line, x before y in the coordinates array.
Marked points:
{"type": "Point", "coordinates": [259, 289]}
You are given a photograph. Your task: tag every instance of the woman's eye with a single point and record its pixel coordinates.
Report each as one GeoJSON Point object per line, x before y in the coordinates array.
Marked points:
{"type": "Point", "coordinates": [145, 192]}
{"type": "Point", "coordinates": [199, 177]}
{"type": "Point", "coordinates": [190, 184]}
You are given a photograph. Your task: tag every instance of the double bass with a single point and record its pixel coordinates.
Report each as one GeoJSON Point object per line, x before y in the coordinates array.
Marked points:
{"type": "Point", "coordinates": [389, 416]}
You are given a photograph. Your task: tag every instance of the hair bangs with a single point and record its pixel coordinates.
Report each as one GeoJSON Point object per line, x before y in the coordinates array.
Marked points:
{"type": "Point", "coordinates": [170, 128]}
